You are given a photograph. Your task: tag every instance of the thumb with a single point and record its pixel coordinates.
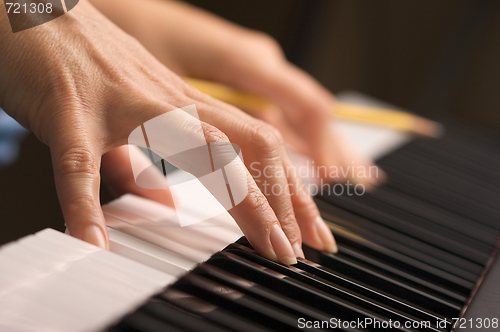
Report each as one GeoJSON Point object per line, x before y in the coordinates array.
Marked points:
{"type": "Point", "coordinates": [76, 170]}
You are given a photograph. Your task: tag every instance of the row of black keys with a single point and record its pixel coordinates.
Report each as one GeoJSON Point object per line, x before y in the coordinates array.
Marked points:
{"type": "Point", "coordinates": [437, 209]}
{"type": "Point", "coordinates": [238, 290]}
{"type": "Point", "coordinates": [410, 252]}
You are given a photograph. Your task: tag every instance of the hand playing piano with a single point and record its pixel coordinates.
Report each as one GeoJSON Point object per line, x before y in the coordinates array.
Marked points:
{"type": "Point", "coordinates": [82, 85]}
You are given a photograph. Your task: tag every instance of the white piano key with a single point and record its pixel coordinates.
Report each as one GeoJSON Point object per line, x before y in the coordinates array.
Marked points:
{"type": "Point", "coordinates": [19, 274]}
{"type": "Point", "coordinates": [188, 238]}
{"type": "Point", "coordinates": [53, 249]}
{"type": "Point", "coordinates": [215, 237]}
{"type": "Point", "coordinates": [61, 304]}
{"type": "Point", "coordinates": [118, 213]}
{"type": "Point", "coordinates": [99, 272]}
{"type": "Point", "coordinates": [84, 290]}
{"type": "Point", "coordinates": [154, 212]}
{"type": "Point", "coordinates": [173, 233]}
{"type": "Point", "coordinates": [159, 278]}
{"type": "Point", "coordinates": [143, 209]}
{"type": "Point", "coordinates": [58, 237]}
{"type": "Point", "coordinates": [111, 283]}
{"type": "Point", "coordinates": [192, 239]}
{"type": "Point", "coordinates": [172, 245]}
{"type": "Point", "coordinates": [36, 260]}
{"type": "Point", "coordinates": [26, 268]}
{"type": "Point", "coordinates": [148, 254]}
{"type": "Point", "coordinates": [211, 238]}
{"type": "Point", "coordinates": [62, 253]}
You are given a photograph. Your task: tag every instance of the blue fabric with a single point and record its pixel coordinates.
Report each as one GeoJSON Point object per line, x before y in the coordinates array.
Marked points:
{"type": "Point", "coordinates": [11, 136]}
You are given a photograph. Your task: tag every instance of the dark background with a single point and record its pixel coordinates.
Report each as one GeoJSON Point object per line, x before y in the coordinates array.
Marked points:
{"type": "Point", "coordinates": [436, 58]}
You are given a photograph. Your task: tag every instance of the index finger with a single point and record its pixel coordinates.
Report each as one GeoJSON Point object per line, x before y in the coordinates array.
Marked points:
{"type": "Point", "coordinates": [76, 170]}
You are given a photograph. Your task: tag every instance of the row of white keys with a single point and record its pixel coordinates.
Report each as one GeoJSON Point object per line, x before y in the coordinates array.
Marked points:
{"type": "Point", "coordinates": [138, 211]}
{"type": "Point", "coordinates": [154, 212]}
{"type": "Point", "coordinates": [157, 225]}
{"type": "Point", "coordinates": [53, 282]}
{"type": "Point", "coordinates": [146, 235]}
{"type": "Point", "coordinates": [153, 256]}
{"type": "Point", "coordinates": [123, 265]}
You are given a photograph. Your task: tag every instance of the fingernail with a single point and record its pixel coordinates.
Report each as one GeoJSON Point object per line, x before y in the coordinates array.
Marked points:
{"type": "Point", "coordinates": [282, 246]}
{"type": "Point", "coordinates": [297, 249]}
{"type": "Point", "coordinates": [94, 235]}
{"type": "Point", "coordinates": [326, 236]}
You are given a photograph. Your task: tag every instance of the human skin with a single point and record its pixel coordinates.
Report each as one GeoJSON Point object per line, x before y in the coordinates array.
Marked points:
{"type": "Point", "coordinates": [82, 84]}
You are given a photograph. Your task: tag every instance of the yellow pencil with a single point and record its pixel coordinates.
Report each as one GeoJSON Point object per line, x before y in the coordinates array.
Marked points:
{"type": "Point", "coordinates": [379, 116]}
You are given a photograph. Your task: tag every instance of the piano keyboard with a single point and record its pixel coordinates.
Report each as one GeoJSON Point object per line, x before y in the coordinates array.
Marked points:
{"type": "Point", "coordinates": [411, 256]}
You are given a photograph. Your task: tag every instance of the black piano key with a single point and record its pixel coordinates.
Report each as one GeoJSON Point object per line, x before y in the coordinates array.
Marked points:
{"type": "Point", "coordinates": [453, 202]}
{"type": "Point", "coordinates": [210, 311]}
{"type": "Point", "coordinates": [277, 299]}
{"type": "Point", "coordinates": [437, 168]}
{"type": "Point", "coordinates": [427, 286]}
{"type": "Point", "coordinates": [414, 227]}
{"type": "Point", "coordinates": [389, 285]}
{"type": "Point", "coordinates": [386, 284]}
{"type": "Point", "coordinates": [238, 303]}
{"type": "Point", "coordinates": [140, 321]}
{"type": "Point", "coordinates": [244, 242]}
{"type": "Point", "coordinates": [116, 329]}
{"type": "Point", "coordinates": [389, 299]}
{"type": "Point", "coordinates": [353, 255]}
{"type": "Point", "coordinates": [483, 234]}
{"type": "Point", "coordinates": [483, 170]}
{"type": "Point", "coordinates": [392, 272]}
{"type": "Point", "coordinates": [464, 186]}
{"type": "Point", "coordinates": [403, 262]}
{"type": "Point", "coordinates": [441, 180]}
{"type": "Point", "coordinates": [372, 302]}
{"type": "Point", "coordinates": [423, 161]}
{"type": "Point", "coordinates": [479, 144]}
{"type": "Point", "coordinates": [168, 313]}
{"type": "Point", "coordinates": [345, 288]}
{"type": "Point", "coordinates": [295, 289]}
{"type": "Point", "coordinates": [457, 152]}
{"type": "Point", "coordinates": [401, 243]}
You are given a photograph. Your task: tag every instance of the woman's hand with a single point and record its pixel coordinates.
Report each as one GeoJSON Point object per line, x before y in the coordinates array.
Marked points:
{"type": "Point", "coordinates": [82, 85]}
{"type": "Point", "coordinates": [197, 44]}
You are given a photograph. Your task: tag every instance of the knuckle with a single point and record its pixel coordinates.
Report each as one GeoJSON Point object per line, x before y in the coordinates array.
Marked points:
{"type": "Point", "coordinates": [314, 114]}
{"type": "Point", "coordinates": [292, 232]}
{"type": "Point", "coordinates": [250, 46]}
{"type": "Point", "coordinates": [256, 201]}
{"type": "Point", "coordinates": [213, 134]}
{"type": "Point", "coordinates": [319, 111]}
{"type": "Point", "coordinates": [265, 41]}
{"type": "Point", "coordinates": [78, 160]}
{"type": "Point", "coordinates": [288, 218]}
{"type": "Point", "coordinates": [266, 138]}
{"type": "Point", "coordinates": [83, 202]}
{"type": "Point", "coordinates": [303, 201]}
